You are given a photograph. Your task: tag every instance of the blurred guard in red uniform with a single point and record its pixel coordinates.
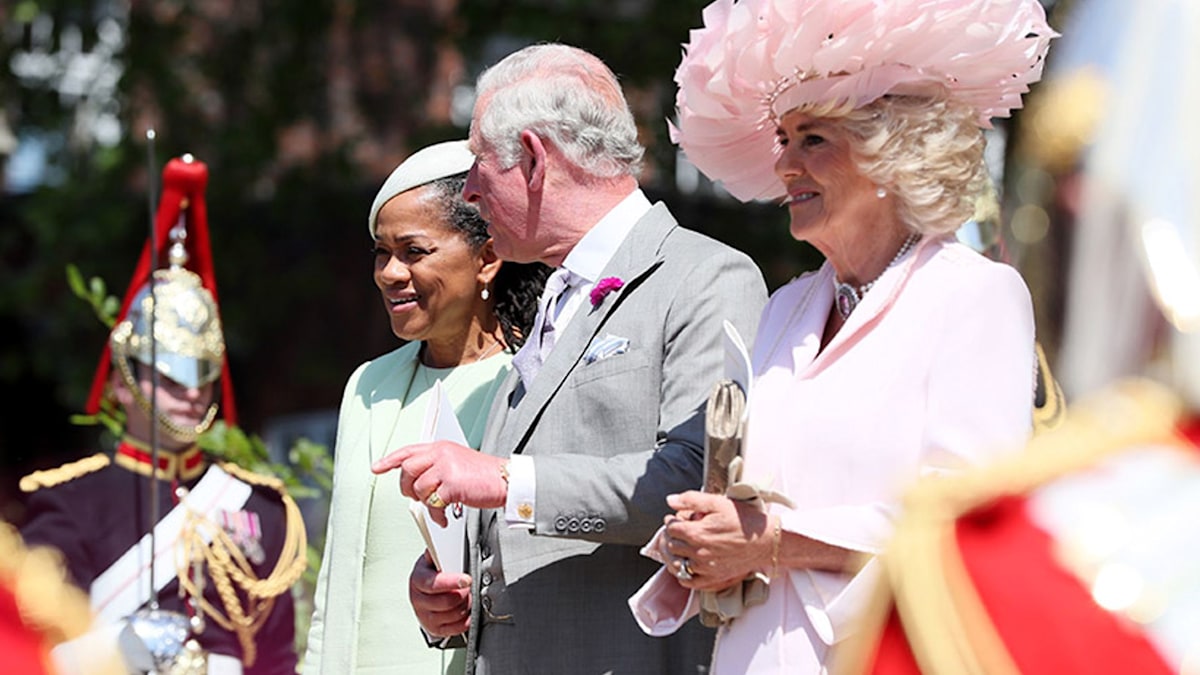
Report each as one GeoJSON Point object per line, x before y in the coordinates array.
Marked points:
{"type": "Point", "coordinates": [39, 608]}
{"type": "Point", "coordinates": [1077, 556]}
{"type": "Point", "coordinates": [230, 543]}
{"type": "Point", "coordinates": [1080, 555]}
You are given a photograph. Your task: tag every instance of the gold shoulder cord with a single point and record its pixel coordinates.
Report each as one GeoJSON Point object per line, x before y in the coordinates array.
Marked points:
{"type": "Point", "coordinates": [64, 473]}
{"type": "Point", "coordinates": [944, 620]}
{"type": "Point", "coordinates": [247, 600]}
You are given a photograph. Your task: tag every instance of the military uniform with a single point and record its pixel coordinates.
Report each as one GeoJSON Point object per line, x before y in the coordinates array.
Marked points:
{"type": "Point", "coordinates": [1077, 556]}
{"type": "Point", "coordinates": [96, 509]}
{"type": "Point", "coordinates": [216, 547]}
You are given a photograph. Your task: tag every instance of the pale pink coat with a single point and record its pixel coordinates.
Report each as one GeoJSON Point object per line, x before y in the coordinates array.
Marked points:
{"type": "Point", "coordinates": [933, 370]}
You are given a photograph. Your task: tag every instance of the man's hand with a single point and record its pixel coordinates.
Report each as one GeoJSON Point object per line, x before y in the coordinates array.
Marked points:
{"type": "Point", "coordinates": [442, 602]}
{"type": "Point", "coordinates": [443, 473]}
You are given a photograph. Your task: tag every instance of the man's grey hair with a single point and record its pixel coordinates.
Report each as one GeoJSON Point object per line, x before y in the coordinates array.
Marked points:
{"type": "Point", "coordinates": [563, 94]}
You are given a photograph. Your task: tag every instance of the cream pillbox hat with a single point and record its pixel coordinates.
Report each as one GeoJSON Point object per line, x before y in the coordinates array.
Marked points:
{"type": "Point", "coordinates": [426, 165]}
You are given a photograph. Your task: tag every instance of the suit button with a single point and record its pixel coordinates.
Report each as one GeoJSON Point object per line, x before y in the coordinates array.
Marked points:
{"type": "Point", "coordinates": [586, 525]}
{"type": "Point", "coordinates": [600, 526]}
{"type": "Point", "coordinates": [486, 578]}
{"type": "Point", "coordinates": [573, 525]}
{"type": "Point", "coordinates": [560, 524]}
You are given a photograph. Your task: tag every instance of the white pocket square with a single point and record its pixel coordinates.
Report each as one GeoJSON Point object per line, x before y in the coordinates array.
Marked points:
{"type": "Point", "coordinates": [604, 347]}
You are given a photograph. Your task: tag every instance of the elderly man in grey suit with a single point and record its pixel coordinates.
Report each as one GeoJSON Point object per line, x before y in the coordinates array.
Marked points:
{"type": "Point", "coordinates": [602, 417]}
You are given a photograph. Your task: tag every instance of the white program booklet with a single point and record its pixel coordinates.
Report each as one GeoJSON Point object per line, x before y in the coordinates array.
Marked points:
{"type": "Point", "coordinates": [737, 360]}
{"type": "Point", "coordinates": [725, 415]}
{"type": "Point", "coordinates": [446, 544]}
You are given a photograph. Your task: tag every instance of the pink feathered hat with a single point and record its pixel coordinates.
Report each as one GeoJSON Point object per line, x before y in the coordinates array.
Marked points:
{"type": "Point", "coordinates": [754, 60]}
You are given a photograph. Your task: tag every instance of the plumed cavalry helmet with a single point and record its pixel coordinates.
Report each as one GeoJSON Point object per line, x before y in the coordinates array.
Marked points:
{"type": "Point", "coordinates": [179, 300]}
{"type": "Point", "coordinates": [187, 329]}
{"type": "Point", "coordinates": [187, 344]}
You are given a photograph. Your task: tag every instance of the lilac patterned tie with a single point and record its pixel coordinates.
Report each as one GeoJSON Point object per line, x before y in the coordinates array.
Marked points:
{"type": "Point", "coordinates": [529, 359]}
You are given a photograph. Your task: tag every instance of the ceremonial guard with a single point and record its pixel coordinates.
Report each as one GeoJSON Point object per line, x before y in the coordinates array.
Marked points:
{"type": "Point", "coordinates": [229, 544]}
{"type": "Point", "coordinates": [1076, 556]}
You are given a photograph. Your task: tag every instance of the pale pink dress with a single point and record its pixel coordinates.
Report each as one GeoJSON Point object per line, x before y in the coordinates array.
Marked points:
{"type": "Point", "coordinates": [933, 370]}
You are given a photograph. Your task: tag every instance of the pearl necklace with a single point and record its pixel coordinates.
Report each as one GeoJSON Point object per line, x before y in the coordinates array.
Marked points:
{"type": "Point", "coordinates": [847, 297]}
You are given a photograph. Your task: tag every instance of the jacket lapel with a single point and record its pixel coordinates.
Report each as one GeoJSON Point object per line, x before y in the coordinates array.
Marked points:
{"type": "Point", "coordinates": [875, 304]}
{"type": "Point", "coordinates": [386, 402]}
{"type": "Point", "coordinates": [498, 414]}
{"type": "Point", "coordinates": [354, 480]}
{"type": "Point", "coordinates": [636, 258]}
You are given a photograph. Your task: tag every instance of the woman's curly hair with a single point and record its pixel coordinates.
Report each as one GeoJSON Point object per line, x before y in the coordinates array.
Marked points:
{"type": "Point", "coordinates": [517, 286]}
{"type": "Point", "coordinates": [927, 150]}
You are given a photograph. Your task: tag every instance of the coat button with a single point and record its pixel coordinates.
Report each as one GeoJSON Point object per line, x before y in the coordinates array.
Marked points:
{"type": "Point", "coordinates": [573, 525]}
{"type": "Point", "coordinates": [485, 551]}
{"type": "Point", "coordinates": [486, 578]}
{"type": "Point", "coordinates": [586, 525]}
{"type": "Point", "coordinates": [600, 526]}
{"type": "Point", "coordinates": [560, 524]}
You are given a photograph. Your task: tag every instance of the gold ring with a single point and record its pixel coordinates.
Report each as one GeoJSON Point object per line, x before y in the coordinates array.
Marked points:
{"type": "Point", "coordinates": [434, 500]}
{"type": "Point", "coordinates": [685, 569]}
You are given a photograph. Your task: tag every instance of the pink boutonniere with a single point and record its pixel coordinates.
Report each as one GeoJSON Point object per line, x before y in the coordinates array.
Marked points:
{"type": "Point", "coordinates": [604, 287]}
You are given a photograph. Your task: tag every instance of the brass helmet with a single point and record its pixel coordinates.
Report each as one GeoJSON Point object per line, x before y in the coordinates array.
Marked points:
{"type": "Point", "coordinates": [190, 348]}
{"type": "Point", "coordinates": [187, 345]}
{"type": "Point", "coordinates": [180, 300]}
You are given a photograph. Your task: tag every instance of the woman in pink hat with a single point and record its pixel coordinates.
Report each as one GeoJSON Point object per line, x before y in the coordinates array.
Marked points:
{"type": "Point", "coordinates": [907, 353]}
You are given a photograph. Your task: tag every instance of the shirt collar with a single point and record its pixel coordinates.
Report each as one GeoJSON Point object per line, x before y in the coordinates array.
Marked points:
{"type": "Point", "coordinates": [596, 248]}
{"type": "Point", "coordinates": [183, 465]}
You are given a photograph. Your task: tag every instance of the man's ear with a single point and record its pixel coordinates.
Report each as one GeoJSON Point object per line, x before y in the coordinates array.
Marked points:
{"type": "Point", "coordinates": [533, 161]}
{"type": "Point", "coordinates": [489, 264]}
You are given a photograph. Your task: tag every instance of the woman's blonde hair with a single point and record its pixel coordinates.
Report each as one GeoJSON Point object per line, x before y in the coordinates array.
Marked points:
{"type": "Point", "coordinates": [926, 150]}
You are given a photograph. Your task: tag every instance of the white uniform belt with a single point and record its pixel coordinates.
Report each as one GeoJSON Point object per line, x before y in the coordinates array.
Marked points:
{"type": "Point", "coordinates": [125, 586]}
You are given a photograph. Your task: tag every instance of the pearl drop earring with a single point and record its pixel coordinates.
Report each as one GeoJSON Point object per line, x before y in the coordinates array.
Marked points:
{"type": "Point", "coordinates": [880, 192]}
{"type": "Point", "coordinates": [485, 294]}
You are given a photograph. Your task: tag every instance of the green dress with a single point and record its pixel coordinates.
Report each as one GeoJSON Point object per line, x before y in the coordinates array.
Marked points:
{"type": "Point", "coordinates": [389, 637]}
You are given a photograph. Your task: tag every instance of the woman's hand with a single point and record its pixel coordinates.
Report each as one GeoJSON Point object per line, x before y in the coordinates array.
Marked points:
{"type": "Point", "coordinates": [441, 601]}
{"type": "Point", "coordinates": [720, 540]}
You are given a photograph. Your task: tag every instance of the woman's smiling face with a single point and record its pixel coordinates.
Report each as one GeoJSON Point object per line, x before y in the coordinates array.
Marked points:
{"type": "Point", "coordinates": [426, 270]}
{"type": "Point", "coordinates": [826, 192]}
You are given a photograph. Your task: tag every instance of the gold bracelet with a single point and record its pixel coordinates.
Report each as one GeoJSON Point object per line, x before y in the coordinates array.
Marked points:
{"type": "Point", "coordinates": [778, 536]}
